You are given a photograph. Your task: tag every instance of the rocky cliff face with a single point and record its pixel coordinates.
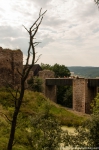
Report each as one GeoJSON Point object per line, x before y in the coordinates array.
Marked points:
{"type": "Point", "coordinates": [10, 61]}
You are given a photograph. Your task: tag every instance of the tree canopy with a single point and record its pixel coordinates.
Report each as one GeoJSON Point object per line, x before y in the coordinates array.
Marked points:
{"type": "Point", "coordinates": [87, 134]}
{"type": "Point", "coordinates": [64, 93]}
{"type": "Point", "coordinates": [60, 70]}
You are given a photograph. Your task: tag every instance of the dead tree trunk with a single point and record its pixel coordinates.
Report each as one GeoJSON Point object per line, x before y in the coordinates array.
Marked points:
{"type": "Point", "coordinates": [18, 100]}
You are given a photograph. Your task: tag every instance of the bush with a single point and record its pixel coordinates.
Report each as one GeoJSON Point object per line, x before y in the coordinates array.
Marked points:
{"type": "Point", "coordinates": [35, 84]}
{"type": "Point", "coordinates": [87, 135]}
{"type": "Point", "coordinates": [45, 132]}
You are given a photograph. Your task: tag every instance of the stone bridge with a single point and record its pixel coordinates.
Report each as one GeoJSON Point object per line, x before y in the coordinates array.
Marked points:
{"type": "Point", "coordinates": [84, 90]}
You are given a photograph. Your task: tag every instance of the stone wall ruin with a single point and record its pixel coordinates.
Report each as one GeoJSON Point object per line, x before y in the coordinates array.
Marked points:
{"type": "Point", "coordinates": [10, 61]}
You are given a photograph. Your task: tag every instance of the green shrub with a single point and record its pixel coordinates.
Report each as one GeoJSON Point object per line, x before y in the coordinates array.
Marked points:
{"type": "Point", "coordinates": [33, 103]}
{"type": "Point", "coordinates": [35, 84]}
{"type": "Point", "coordinates": [45, 131]}
{"type": "Point", "coordinates": [87, 135]}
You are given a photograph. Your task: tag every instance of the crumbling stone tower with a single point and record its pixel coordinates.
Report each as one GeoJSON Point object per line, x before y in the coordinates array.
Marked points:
{"type": "Point", "coordinates": [10, 62]}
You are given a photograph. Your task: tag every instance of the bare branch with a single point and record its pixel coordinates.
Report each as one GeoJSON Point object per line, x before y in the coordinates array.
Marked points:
{"type": "Point", "coordinates": [14, 142]}
{"type": "Point", "coordinates": [19, 72]}
{"type": "Point", "coordinates": [18, 100]}
{"type": "Point", "coordinates": [38, 18]}
{"type": "Point", "coordinates": [34, 29]}
{"type": "Point", "coordinates": [44, 12]}
{"type": "Point", "coordinates": [38, 58]}
{"type": "Point", "coordinates": [36, 43]}
{"type": "Point", "coordinates": [27, 61]}
{"type": "Point", "coordinates": [17, 91]}
{"type": "Point", "coordinates": [11, 93]}
{"type": "Point", "coordinates": [40, 12]}
{"type": "Point", "coordinates": [6, 116]}
{"type": "Point", "coordinates": [37, 27]}
{"type": "Point", "coordinates": [25, 28]}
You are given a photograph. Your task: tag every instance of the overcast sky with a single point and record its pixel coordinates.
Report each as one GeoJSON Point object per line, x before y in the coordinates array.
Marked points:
{"type": "Point", "coordinates": [69, 33]}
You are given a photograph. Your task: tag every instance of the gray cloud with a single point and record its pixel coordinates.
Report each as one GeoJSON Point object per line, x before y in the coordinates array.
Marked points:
{"type": "Point", "coordinates": [53, 22]}
{"type": "Point", "coordinates": [9, 31]}
{"type": "Point", "coordinates": [68, 34]}
{"type": "Point", "coordinates": [45, 42]}
{"type": "Point", "coordinates": [42, 3]}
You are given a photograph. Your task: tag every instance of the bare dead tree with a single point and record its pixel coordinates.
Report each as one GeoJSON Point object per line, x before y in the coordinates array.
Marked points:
{"type": "Point", "coordinates": [31, 52]}
{"type": "Point", "coordinates": [96, 1]}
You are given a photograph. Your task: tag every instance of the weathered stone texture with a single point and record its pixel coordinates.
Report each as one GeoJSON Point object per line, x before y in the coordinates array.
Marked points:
{"type": "Point", "coordinates": [49, 91]}
{"type": "Point", "coordinates": [83, 95]}
{"type": "Point", "coordinates": [10, 61]}
{"type": "Point", "coordinates": [90, 94]}
{"type": "Point", "coordinates": [79, 95]}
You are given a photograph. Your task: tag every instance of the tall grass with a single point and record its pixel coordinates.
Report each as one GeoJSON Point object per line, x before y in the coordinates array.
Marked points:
{"type": "Point", "coordinates": [33, 103]}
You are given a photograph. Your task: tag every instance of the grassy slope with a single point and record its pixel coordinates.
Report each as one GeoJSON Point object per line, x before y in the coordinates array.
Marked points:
{"type": "Point", "coordinates": [33, 103]}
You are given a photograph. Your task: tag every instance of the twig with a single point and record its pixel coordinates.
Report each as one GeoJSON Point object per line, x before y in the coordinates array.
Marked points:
{"type": "Point", "coordinates": [6, 116]}
{"type": "Point", "coordinates": [38, 58]}
{"type": "Point", "coordinates": [25, 28]}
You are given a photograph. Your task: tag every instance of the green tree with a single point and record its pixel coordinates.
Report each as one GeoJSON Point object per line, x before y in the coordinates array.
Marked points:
{"type": "Point", "coordinates": [46, 66]}
{"type": "Point", "coordinates": [35, 84]}
{"type": "Point", "coordinates": [95, 104]}
{"type": "Point", "coordinates": [64, 93]}
{"type": "Point", "coordinates": [67, 97]}
{"type": "Point", "coordinates": [64, 96]}
{"type": "Point", "coordinates": [87, 135]}
{"type": "Point", "coordinates": [45, 132]}
{"type": "Point", "coordinates": [60, 70]}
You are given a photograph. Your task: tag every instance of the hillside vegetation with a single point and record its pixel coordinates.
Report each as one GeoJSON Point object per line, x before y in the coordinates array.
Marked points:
{"type": "Point", "coordinates": [34, 103]}
{"type": "Point", "coordinates": [87, 72]}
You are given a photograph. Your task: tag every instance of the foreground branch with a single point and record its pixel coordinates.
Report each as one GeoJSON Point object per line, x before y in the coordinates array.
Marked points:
{"type": "Point", "coordinates": [31, 51]}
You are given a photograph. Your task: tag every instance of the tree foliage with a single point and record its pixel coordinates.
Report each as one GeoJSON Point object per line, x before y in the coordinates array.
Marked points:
{"type": "Point", "coordinates": [64, 93]}
{"type": "Point", "coordinates": [87, 135]}
{"type": "Point", "coordinates": [64, 96]}
{"type": "Point", "coordinates": [46, 66]}
{"type": "Point", "coordinates": [35, 84]}
{"type": "Point", "coordinates": [45, 132]}
{"type": "Point", "coordinates": [60, 70]}
{"type": "Point", "coordinates": [67, 97]}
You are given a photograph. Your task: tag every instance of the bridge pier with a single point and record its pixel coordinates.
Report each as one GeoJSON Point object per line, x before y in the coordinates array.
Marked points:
{"type": "Point", "coordinates": [79, 95]}
{"type": "Point", "coordinates": [82, 95]}
{"type": "Point", "coordinates": [84, 90]}
{"type": "Point", "coordinates": [48, 91]}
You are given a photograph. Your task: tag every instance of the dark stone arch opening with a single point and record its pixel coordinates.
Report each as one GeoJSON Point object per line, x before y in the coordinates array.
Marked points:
{"type": "Point", "coordinates": [65, 96]}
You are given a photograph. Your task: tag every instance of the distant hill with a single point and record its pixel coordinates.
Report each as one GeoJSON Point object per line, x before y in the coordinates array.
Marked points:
{"type": "Point", "coordinates": [87, 72]}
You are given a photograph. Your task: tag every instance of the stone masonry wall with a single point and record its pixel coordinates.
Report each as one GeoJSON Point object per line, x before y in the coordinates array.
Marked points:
{"type": "Point", "coordinates": [48, 91]}
{"type": "Point", "coordinates": [82, 95]}
{"type": "Point", "coordinates": [10, 61]}
{"type": "Point", "coordinates": [90, 94]}
{"type": "Point", "coordinates": [79, 95]}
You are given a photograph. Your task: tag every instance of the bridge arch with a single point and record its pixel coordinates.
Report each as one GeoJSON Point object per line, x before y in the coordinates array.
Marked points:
{"type": "Point", "coordinates": [84, 90]}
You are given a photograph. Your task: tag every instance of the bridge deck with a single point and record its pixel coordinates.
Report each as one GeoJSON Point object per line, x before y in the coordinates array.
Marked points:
{"type": "Point", "coordinates": [59, 81]}
{"type": "Point", "coordinates": [69, 81]}
{"type": "Point", "coordinates": [93, 82]}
